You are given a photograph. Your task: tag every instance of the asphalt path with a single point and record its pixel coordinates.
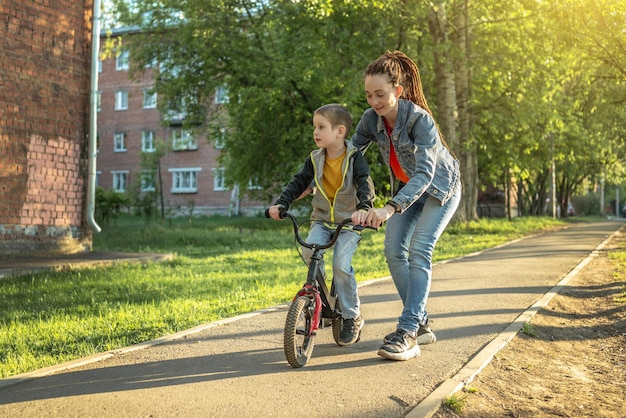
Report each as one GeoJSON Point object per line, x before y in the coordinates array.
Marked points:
{"type": "Point", "coordinates": [237, 368]}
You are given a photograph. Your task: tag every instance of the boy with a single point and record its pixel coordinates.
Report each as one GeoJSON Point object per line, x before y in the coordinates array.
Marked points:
{"type": "Point", "coordinates": [344, 190]}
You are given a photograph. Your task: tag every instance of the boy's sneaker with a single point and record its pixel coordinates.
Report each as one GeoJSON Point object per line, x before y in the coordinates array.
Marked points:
{"type": "Point", "coordinates": [351, 330]}
{"type": "Point", "coordinates": [424, 335]}
{"type": "Point", "coordinates": [400, 345]}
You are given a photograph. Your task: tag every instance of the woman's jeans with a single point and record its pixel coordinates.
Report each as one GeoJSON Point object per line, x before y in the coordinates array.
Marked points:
{"type": "Point", "coordinates": [410, 239]}
{"type": "Point", "coordinates": [343, 273]}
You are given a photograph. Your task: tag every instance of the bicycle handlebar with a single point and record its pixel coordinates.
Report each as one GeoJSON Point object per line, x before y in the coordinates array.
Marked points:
{"type": "Point", "coordinates": [296, 227]}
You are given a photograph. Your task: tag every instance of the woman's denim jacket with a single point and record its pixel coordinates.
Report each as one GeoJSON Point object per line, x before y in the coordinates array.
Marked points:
{"type": "Point", "coordinates": [427, 162]}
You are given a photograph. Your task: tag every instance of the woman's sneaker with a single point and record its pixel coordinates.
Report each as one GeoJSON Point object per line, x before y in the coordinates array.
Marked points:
{"type": "Point", "coordinates": [424, 335]}
{"type": "Point", "coordinates": [400, 345]}
{"type": "Point", "coordinates": [351, 330]}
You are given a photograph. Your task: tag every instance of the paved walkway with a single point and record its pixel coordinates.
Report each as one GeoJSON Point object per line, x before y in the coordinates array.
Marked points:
{"type": "Point", "coordinates": [236, 367]}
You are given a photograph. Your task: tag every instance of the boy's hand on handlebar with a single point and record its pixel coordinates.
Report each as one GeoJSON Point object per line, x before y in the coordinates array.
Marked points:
{"type": "Point", "coordinates": [274, 212]}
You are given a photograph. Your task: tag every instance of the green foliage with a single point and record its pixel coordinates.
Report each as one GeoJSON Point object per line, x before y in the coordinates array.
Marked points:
{"type": "Point", "coordinates": [588, 204]}
{"type": "Point", "coordinates": [109, 205]}
{"type": "Point", "coordinates": [547, 80]}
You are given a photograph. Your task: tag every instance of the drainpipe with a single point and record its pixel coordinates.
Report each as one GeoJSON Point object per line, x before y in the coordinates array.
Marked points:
{"type": "Point", "coordinates": [93, 120]}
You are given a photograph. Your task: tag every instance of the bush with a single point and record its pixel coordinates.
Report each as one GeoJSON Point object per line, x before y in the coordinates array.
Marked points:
{"type": "Point", "coordinates": [587, 205]}
{"type": "Point", "coordinates": [109, 205]}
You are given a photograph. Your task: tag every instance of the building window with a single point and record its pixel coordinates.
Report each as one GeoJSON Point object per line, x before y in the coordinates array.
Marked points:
{"type": "Point", "coordinates": [183, 139]}
{"type": "Point", "coordinates": [219, 183]}
{"type": "Point", "coordinates": [220, 133]}
{"type": "Point", "coordinates": [99, 100]}
{"type": "Point", "coordinates": [121, 61]}
{"type": "Point", "coordinates": [148, 181]}
{"type": "Point", "coordinates": [221, 95]}
{"type": "Point", "coordinates": [149, 99]}
{"type": "Point", "coordinates": [147, 141]}
{"type": "Point", "coordinates": [253, 184]}
{"type": "Point", "coordinates": [98, 174]}
{"type": "Point", "coordinates": [99, 66]}
{"type": "Point", "coordinates": [121, 100]}
{"type": "Point", "coordinates": [184, 180]}
{"type": "Point", "coordinates": [119, 142]}
{"type": "Point", "coordinates": [120, 180]}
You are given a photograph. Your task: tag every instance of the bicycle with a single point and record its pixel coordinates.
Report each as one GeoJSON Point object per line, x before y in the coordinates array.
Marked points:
{"type": "Point", "coordinates": [314, 304]}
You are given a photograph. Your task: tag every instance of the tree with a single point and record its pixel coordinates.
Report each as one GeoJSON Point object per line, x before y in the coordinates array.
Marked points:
{"type": "Point", "coordinates": [277, 60]}
{"type": "Point", "coordinates": [516, 86]}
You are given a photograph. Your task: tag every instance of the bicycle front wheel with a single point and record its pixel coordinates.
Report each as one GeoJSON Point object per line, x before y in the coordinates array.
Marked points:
{"type": "Point", "coordinates": [298, 342]}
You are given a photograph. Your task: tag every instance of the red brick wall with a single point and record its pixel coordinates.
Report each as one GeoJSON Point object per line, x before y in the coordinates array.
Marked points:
{"type": "Point", "coordinates": [45, 64]}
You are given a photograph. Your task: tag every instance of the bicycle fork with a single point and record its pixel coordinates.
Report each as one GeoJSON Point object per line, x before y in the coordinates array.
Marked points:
{"type": "Point", "coordinates": [316, 289]}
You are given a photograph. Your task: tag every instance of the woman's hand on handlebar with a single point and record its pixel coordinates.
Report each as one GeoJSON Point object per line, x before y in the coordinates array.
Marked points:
{"type": "Point", "coordinates": [358, 218]}
{"type": "Point", "coordinates": [376, 216]}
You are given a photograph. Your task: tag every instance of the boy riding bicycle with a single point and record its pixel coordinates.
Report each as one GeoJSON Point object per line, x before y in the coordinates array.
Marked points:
{"type": "Point", "coordinates": [344, 189]}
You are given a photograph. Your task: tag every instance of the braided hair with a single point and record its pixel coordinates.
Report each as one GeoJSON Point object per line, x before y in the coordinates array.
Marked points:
{"type": "Point", "coordinates": [400, 70]}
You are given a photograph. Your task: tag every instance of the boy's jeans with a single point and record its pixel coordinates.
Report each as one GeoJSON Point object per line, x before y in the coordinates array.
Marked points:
{"type": "Point", "coordinates": [343, 273]}
{"type": "Point", "coordinates": [410, 239]}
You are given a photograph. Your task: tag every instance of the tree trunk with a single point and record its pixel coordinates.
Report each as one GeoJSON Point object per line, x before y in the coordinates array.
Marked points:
{"type": "Point", "coordinates": [460, 37]}
{"type": "Point", "coordinates": [445, 84]}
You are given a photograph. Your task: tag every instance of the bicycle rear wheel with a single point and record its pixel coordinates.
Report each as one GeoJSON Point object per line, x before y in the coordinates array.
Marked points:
{"type": "Point", "coordinates": [298, 344]}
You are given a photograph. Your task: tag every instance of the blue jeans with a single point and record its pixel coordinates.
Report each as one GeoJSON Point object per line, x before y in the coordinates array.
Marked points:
{"type": "Point", "coordinates": [343, 273]}
{"type": "Point", "coordinates": [410, 239]}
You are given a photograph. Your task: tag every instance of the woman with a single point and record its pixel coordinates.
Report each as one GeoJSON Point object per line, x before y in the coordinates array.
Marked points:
{"type": "Point", "coordinates": [426, 180]}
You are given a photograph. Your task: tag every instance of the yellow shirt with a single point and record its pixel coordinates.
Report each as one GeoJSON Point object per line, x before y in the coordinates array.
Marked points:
{"type": "Point", "coordinates": [332, 177]}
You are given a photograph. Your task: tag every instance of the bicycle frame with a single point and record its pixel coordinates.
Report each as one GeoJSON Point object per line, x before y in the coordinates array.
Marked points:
{"type": "Point", "coordinates": [313, 302]}
{"type": "Point", "coordinates": [315, 286]}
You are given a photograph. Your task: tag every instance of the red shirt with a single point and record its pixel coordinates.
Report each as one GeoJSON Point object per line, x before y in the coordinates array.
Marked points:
{"type": "Point", "coordinates": [393, 158]}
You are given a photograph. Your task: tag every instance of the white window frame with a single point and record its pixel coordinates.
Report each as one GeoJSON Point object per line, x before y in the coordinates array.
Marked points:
{"type": "Point", "coordinates": [219, 140]}
{"type": "Point", "coordinates": [183, 139]}
{"type": "Point", "coordinates": [221, 95]}
{"type": "Point", "coordinates": [147, 141]}
{"type": "Point", "coordinates": [254, 184]}
{"type": "Point", "coordinates": [219, 183]}
{"type": "Point", "coordinates": [184, 180]}
{"type": "Point", "coordinates": [120, 180]}
{"type": "Point", "coordinates": [121, 100]}
{"type": "Point", "coordinates": [119, 142]}
{"type": "Point", "coordinates": [122, 61]}
{"type": "Point", "coordinates": [148, 181]}
{"type": "Point", "coordinates": [149, 99]}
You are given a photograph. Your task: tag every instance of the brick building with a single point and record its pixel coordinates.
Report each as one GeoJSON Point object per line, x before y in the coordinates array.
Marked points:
{"type": "Point", "coordinates": [45, 69]}
{"type": "Point", "coordinates": [129, 123]}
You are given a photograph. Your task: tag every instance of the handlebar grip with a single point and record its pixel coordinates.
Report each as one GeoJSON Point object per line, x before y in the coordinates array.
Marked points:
{"type": "Point", "coordinates": [281, 213]}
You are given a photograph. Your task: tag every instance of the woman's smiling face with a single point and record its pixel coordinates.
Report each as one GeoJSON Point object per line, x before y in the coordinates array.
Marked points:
{"type": "Point", "coordinates": [382, 95]}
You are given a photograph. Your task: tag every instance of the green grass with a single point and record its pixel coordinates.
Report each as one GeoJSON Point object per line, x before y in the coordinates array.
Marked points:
{"type": "Point", "coordinates": [455, 402]}
{"type": "Point", "coordinates": [222, 267]}
{"type": "Point", "coordinates": [528, 329]}
{"type": "Point", "coordinates": [618, 258]}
